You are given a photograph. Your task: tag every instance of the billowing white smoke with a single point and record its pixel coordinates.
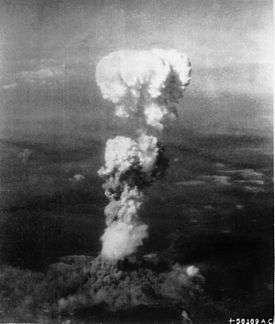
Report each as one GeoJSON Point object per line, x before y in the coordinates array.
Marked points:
{"type": "Point", "coordinates": [122, 152]}
{"type": "Point", "coordinates": [142, 82]}
{"type": "Point", "coordinates": [121, 239]}
{"type": "Point", "coordinates": [126, 159]}
{"type": "Point", "coordinates": [147, 85]}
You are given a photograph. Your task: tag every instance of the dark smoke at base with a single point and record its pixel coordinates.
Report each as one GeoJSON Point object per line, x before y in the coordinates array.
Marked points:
{"type": "Point", "coordinates": [27, 296]}
{"type": "Point", "coordinates": [130, 284]}
{"type": "Point", "coordinates": [80, 284]}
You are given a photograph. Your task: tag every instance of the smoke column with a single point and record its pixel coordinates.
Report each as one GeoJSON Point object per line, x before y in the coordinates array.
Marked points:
{"type": "Point", "coordinates": [146, 86]}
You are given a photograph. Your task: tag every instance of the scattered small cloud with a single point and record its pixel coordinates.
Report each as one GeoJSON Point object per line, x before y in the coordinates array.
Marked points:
{"type": "Point", "coordinates": [221, 180]}
{"type": "Point", "coordinates": [25, 155]}
{"type": "Point", "coordinates": [42, 75]}
{"type": "Point", "coordinates": [253, 189]}
{"type": "Point", "coordinates": [218, 179]}
{"type": "Point", "coordinates": [246, 174]}
{"type": "Point", "coordinates": [77, 178]}
{"type": "Point", "coordinates": [9, 86]}
{"type": "Point", "coordinates": [239, 206]}
{"type": "Point", "coordinates": [250, 174]}
{"type": "Point", "coordinates": [248, 180]}
{"type": "Point", "coordinates": [190, 183]}
{"type": "Point", "coordinates": [209, 207]}
{"type": "Point", "coordinates": [219, 165]}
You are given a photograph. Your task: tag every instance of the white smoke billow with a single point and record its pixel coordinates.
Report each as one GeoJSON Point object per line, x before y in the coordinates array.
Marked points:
{"type": "Point", "coordinates": [146, 83]}
{"type": "Point", "coordinates": [147, 86]}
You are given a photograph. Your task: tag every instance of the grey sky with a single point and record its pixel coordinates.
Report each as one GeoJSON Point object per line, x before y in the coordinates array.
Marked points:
{"type": "Point", "coordinates": [48, 47]}
{"type": "Point", "coordinates": [213, 32]}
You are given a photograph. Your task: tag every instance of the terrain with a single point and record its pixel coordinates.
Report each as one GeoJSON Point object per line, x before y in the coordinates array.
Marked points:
{"type": "Point", "coordinates": [213, 209]}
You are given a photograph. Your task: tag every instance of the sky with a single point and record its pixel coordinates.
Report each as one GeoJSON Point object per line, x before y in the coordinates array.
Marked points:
{"type": "Point", "coordinates": [49, 49]}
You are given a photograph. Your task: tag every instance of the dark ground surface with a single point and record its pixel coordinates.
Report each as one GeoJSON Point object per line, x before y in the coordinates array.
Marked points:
{"type": "Point", "coordinates": [213, 209]}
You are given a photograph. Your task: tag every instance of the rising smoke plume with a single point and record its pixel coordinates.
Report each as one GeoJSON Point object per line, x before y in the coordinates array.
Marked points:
{"type": "Point", "coordinates": [146, 86]}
